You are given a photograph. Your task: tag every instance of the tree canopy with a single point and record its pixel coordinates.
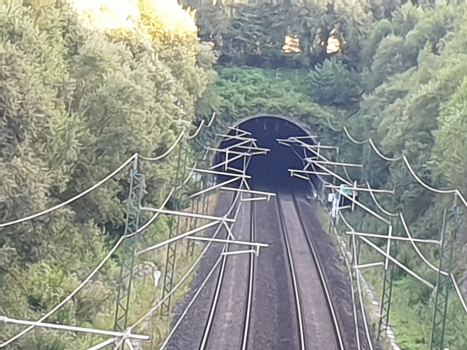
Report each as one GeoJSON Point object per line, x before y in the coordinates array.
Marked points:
{"type": "Point", "coordinates": [84, 86]}
{"type": "Point", "coordinates": [399, 79]}
{"type": "Point", "coordinates": [77, 99]}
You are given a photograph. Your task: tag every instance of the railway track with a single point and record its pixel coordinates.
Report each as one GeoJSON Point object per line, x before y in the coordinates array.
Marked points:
{"type": "Point", "coordinates": [298, 306]}
{"type": "Point", "coordinates": [225, 329]}
{"type": "Point", "coordinates": [318, 326]}
{"type": "Point", "coordinates": [290, 259]}
{"type": "Point", "coordinates": [251, 275]}
{"type": "Point", "coordinates": [214, 306]}
{"type": "Point", "coordinates": [335, 326]}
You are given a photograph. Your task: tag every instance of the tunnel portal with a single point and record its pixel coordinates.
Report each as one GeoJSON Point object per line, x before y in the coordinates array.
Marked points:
{"type": "Point", "coordinates": [269, 172]}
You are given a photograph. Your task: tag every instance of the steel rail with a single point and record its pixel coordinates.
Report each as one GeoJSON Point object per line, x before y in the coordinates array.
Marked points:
{"type": "Point", "coordinates": [220, 281]}
{"type": "Point", "coordinates": [349, 268]}
{"type": "Point", "coordinates": [301, 322]}
{"type": "Point", "coordinates": [190, 304]}
{"type": "Point", "coordinates": [324, 283]}
{"type": "Point", "coordinates": [249, 303]}
{"type": "Point", "coordinates": [215, 301]}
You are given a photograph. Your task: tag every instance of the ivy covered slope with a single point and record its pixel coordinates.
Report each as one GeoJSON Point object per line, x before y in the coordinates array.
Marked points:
{"type": "Point", "coordinates": [405, 88]}
{"type": "Point", "coordinates": [77, 99]}
{"type": "Point", "coordinates": [240, 92]}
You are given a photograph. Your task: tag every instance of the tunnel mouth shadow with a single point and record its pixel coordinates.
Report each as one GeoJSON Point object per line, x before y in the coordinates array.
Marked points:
{"type": "Point", "coordinates": [270, 171]}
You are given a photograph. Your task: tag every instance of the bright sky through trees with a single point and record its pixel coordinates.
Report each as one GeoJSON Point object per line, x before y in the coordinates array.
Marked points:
{"type": "Point", "coordinates": [124, 14]}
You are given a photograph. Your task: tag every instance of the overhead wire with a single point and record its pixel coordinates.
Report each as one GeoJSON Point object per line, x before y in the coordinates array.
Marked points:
{"type": "Point", "coordinates": [394, 238]}
{"type": "Point", "coordinates": [71, 200]}
{"type": "Point", "coordinates": [166, 153]}
{"type": "Point", "coordinates": [378, 204]}
{"type": "Point", "coordinates": [71, 295]}
{"type": "Point", "coordinates": [397, 262]}
{"type": "Point", "coordinates": [331, 126]}
{"type": "Point", "coordinates": [432, 189]}
{"type": "Point", "coordinates": [420, 181]}
{"type": "Point", "coordinates": [376, 215]}
{"type": "Point", "coordinates": [459, 293]}
{"type": "Point", "coordinates": [360, 295]}
{"type": "Point", "coordinates": [212, 120]}
{"type": "Point", "coordinates": [414, 245]}
{"type": "Point", "coordinates": [382, 252]}
{"type": "Point", "coordinates": [197, 130]}
{"type": "Point", "coordinates": [154, 309]}
{"type": "Point", "coordinates": [409, 166]}
{"type": "Point", "coordinates": [352, 289]}
{"type": "Point", "coordinates": [352, 139]}
{"type": "Point", "coordinates": [182, 316]}
{"type": "Point", "coordinates": [456, 192]}
{"type": "Point", "coordinates": [134, 159]}
{"type": "Point", "coordinates": [103, 344]}
{"type": "Point", "coordinates": [378, 152]}
{"type": "Point", "coordinates": [179, 237]}
{"type": "Point", "coordinates": [187, 179]}
{"type": "Point", "coordinates": [95, 186]}
{"type": "Point", "coordinates": [333, 174]}
{"type": "Point", "coordinates": [87, 279]}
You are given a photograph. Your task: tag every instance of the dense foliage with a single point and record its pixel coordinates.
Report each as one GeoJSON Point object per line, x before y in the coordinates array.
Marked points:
{"type": "Point", "coordinates": [75, 103]}
{"type": "Point", "coordinates": [253, 33]}
{"type": "Point", "coordinates": [406, 89]}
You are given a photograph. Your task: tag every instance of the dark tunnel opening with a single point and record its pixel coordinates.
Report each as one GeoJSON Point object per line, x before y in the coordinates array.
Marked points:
{"type": "Point", "coordinates": [270, 171]}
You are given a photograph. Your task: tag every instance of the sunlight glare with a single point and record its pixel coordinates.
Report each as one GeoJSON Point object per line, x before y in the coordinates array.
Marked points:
{"type": "Point", "coordinates": [125, 14]}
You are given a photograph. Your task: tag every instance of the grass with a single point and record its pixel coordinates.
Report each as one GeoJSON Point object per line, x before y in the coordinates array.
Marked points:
{"type": "Point", "coordinates": [158, 326]}
{"type": "Point", "coordinates": [145, 295]}
{"type": "Point", "coordinates": [372, 310]}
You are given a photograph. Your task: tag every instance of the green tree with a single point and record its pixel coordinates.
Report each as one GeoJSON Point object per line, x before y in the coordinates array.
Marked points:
{"type": "Point", "coordinates": [75, 103]}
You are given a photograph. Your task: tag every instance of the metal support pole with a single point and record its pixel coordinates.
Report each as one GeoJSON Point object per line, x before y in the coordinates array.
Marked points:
{"type": "Point", "coordinates": [386, 295]}
{"type": "Point", "coordinates": [366, 158]}
{"type": "Point", "coordinates": [332, 221]}
{"type": "Point", "coordinates": [133, 213]}
{"type": "Point", "coordinates": [388, 279]}
{"type": "Point", "coordinates": [444, 282]}
{"type": "Point", "coordinates": [334, 179]}
{"type": "Point", "coordinates": [171, 258]}
{"type": "Point", "coordinates": [190, 248]}
{"type": "Point", "coordinates": [205, 199]}
{"type": "Point", "coordinates": [337, 156]}
{"type": "Point", "coordinates": [386, 299]}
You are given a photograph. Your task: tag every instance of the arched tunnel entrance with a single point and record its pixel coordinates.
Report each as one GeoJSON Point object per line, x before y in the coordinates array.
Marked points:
{"type": "Point", "coordinates": [270, 171]}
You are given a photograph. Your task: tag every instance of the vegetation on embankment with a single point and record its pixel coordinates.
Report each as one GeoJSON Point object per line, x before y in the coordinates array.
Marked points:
{"type": "Point", "coordinates": [78, 98]}
{"type": "Point", "coordinates": [80, 93]}
{"type": "Point", "coordinates": [401, 81]}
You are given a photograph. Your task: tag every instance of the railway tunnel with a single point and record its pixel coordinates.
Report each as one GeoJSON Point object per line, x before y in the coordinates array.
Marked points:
{"type": "Point", "coordinates": [270, 171]}
{"type": "Point", "coordinates": [293, 294]}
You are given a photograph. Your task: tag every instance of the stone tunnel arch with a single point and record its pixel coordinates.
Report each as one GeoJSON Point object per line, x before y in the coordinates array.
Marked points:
{"type": "Point", "coordinates": [269, 172]}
